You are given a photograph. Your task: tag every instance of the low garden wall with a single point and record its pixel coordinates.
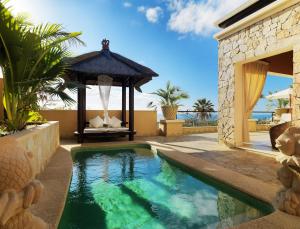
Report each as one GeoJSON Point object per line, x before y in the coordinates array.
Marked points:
{"type": "Point", "coordinates": [145, 122]}
{"type": "Point", "coordinates": [42, 141]}
{"type": "Point", "coordinates": [200, 129]}
{"type": "Point", "coordinates": [263, 127]}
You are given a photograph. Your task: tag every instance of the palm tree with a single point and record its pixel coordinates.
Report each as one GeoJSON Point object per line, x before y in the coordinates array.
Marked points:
{"type": "Point", "coordinates": [204, 107]}
{"type": "Point", "coordinates": [32, 61]}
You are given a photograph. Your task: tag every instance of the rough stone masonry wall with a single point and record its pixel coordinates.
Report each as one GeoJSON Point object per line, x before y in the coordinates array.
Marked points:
{"type": "Point", "coordinates": [277, 32]}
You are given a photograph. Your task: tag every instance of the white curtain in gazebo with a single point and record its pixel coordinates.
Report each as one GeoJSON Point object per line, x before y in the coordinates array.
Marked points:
{"type": "Point", "coordinates": [105, 83]}
{"type": "Point", "coordinates": [255, 74]}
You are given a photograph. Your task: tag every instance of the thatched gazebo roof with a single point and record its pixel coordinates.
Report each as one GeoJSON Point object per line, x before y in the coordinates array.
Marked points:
{"type": "Point", "coordinates": [87, 68]}
{"type": "Point", "coordinates": [90, 65]}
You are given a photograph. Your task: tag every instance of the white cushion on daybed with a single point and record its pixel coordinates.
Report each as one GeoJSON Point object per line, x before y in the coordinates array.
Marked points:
{"type": "Point", "coordinates": [115, 122]}
{"type": "Point", "coordinates": [96, 122]}
{"type": "Point", "coordinates": [104, 130]}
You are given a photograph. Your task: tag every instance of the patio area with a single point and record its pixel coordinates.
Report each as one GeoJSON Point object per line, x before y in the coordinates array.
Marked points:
{"type": "Point", "coordinates": [206, 147]}
{"type": "Point", "coordinates": [83, 144]}
{"type": "Point", "coordinates": [260, 143]}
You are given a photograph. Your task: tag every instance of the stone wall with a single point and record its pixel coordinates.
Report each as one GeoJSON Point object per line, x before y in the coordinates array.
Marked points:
{"type": "Point", "coordinates": [273, 35]}
{"type": "Point", "coordinates": [263, 127]}
{"type": "Point", "coordinates": [170, 128]}
{"type": "Point", "coordinates": [199, 129]}
{"type": "Point", "coordinates": [42, 141]}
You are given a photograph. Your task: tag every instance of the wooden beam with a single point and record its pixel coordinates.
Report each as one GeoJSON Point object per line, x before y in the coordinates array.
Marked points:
{"type": "Point", "coordinates": [124, 103]}
{"type": "Point", "coordinates": [131, 110]}
{"type": "Point", "coordinates": [81, 111]}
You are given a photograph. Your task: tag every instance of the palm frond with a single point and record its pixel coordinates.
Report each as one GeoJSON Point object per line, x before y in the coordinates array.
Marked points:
{"type": "Point", "coordinates": [171, 95]}
{"type": "Point", "coordinates": [32, 59]}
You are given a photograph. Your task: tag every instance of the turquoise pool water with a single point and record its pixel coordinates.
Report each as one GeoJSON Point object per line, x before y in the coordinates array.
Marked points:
{"type": "Point", "coordinates": [133, 188]}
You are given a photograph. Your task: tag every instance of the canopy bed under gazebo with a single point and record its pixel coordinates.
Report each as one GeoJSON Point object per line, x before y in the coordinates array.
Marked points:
{"type": "Point", "coordinates": [97, 68]}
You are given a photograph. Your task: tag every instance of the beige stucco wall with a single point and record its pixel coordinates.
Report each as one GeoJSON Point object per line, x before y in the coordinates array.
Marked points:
{"type": "Point", "coordinates": [42, 141]}
{"type": "Point", "coordinates": [200, 129]}
{"type": "Point", "coordinates": [271, 35]}
{"type": "Point", "coordinates": [171, 128]}
{"type": "Point", "coordinates": [1, 99]}
{"type": "Point", "coordinates": [263, 127]}
{"type": "Point", "coordinates": [145, 122]}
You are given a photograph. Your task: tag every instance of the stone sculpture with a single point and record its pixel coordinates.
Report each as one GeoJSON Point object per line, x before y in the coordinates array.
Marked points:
{"type": "Point", "coordinates": [288, 199]}
{"type": "Point", "coordinates": [18, 189]}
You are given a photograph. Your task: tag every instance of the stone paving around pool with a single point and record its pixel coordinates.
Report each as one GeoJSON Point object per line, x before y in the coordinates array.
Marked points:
{"type": "Point", "coordinates": [206, 147]}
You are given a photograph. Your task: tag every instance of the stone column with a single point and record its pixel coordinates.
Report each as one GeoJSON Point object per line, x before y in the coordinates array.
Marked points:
{"type": "Point", "coordinates": [172, 128]}
{"type": "Point", "coordinates": [296, 85]}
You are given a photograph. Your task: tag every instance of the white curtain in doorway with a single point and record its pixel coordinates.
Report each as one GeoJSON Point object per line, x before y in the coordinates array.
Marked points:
{"type": "Point", "coordinates": [255, 74]}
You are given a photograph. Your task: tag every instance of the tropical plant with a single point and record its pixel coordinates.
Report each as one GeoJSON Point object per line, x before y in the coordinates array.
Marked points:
{"type": "Point", "coordinates": [276, 103]}
{"type": "Point", "coordinates": [204, 108]}
{"type": "Point", "coordinates": [170, 96]}
{"type": "Point", "coordinates": [31, 58]}
{"type": "Point", "coordinates": [282, 103]}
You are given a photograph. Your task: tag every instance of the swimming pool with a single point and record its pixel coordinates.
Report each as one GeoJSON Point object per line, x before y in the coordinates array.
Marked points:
{"type": "Point", "coordinates": [132, 187]}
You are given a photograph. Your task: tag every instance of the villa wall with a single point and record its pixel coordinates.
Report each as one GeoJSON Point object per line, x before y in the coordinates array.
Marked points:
{"type": "Point", "coordinates": [271, 35]}
{"type": "Point", "coordinates": [145, 122]}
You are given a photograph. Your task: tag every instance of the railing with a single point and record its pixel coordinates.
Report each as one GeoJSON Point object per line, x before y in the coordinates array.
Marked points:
{"type": "Point", "coordinates": [197, 118]}
{"type": "Point", "coordinates": [263, 117]}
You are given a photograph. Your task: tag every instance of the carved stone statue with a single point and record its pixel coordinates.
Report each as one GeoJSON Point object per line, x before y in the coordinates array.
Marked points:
{"type": "Point", "coordinates": [18, 189]}
{"type": "Point", "coordinates": [288, 199]}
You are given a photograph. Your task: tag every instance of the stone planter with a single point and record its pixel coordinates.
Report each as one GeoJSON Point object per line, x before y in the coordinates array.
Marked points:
{"type": "Point", "coordinates": [42, 141]}
{"type": "Point", "coordinates": [22, 156]}
{"type": "Point", "coordinates": [280, 111]}
{"type": "Point", "coordinates": [169, 112]}
{"type": "Point", "coordinates": [172, 128]}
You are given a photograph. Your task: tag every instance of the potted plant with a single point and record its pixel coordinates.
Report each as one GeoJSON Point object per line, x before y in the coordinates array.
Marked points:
{"type": "Point", "coordinates": [282, 107]}
{"type": "Point", "coordinates": [169, 100]}
{"type": "Point", "coordinates": [280, 104]}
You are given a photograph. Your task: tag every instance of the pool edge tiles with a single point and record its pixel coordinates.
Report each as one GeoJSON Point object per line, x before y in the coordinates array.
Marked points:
{"type": "Point", "coordinates": [109, 147]}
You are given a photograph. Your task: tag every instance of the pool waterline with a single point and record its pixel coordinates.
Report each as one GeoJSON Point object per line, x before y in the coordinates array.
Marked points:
{"type": "Point", "coordinates": [150, 192]}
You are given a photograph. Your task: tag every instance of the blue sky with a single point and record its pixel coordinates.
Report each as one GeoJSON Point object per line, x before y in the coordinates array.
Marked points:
{"type": "Point", "coordinates": [173, 37]}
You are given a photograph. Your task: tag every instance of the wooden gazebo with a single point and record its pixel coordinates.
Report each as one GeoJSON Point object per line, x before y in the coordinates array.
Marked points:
{"type": "Point", "coordinates": [125, 73]}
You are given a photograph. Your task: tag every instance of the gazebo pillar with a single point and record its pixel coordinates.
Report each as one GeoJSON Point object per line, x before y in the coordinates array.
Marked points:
{"type": "Point", "coordinates": [81, 111]}
{"type": "Point", "coordinates": [131, 110]}
{"type": "Point", "coordinates": [124, 103]}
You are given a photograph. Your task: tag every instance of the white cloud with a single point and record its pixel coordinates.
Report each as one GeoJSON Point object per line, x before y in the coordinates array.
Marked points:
{"type": "Point", "coordinates": [152, 14]}
{"type": "Point", "coordinates": [175, 4]}
{"type": "Point", "coordinates": [127, 4]}
{"type": "Point", "coordinates": [141, 9]}
{"type": "Point", "coordinates": [198, 17]}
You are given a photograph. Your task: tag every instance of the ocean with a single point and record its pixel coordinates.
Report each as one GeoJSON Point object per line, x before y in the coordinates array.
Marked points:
{"type": "Point", "coordinates": [214, 116]}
